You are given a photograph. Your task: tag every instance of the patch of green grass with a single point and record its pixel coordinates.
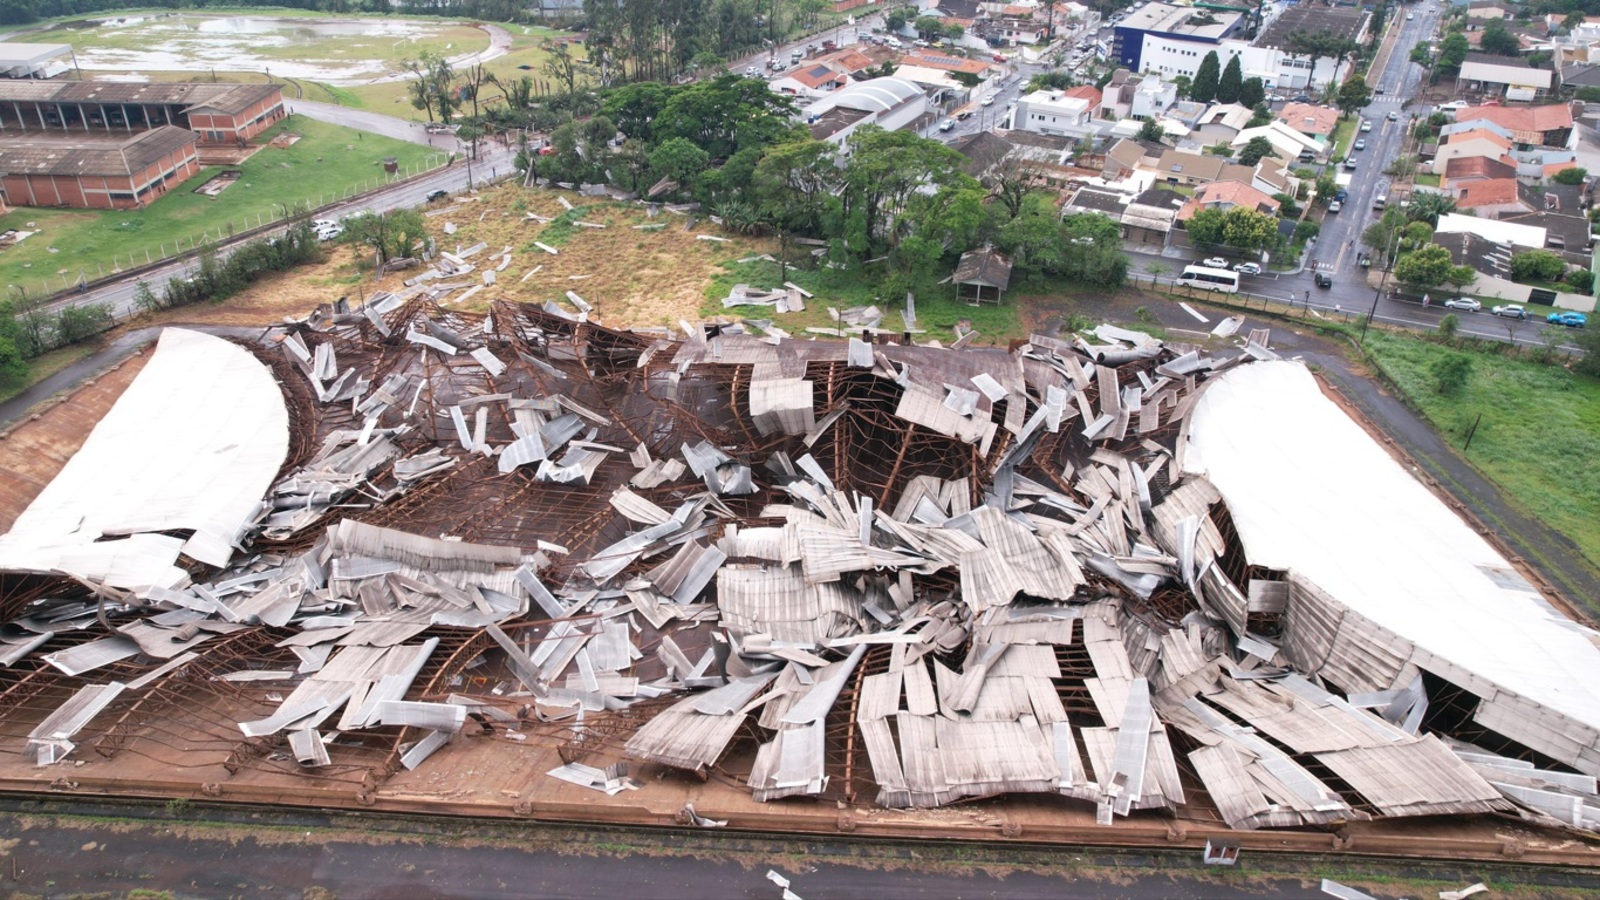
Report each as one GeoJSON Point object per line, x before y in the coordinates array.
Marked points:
{"type": "Point", "coordinates": [328, 162]}
{"type": "Point", "coordinates": [1428, 180]}
{"type": "Point", "coordinates": [1537, 438]}
{"type": "Point", "coordinates": [1344, 134]}
{"type": "Point", "coordinates": [393, 98]}
{"type": "Point", "coordinates": [43, 367]}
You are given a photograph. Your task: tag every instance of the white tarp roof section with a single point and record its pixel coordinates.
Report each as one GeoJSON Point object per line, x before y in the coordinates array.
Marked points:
{"type": "Point", "coordinates": [192, 444]}
{"type": "Point", "coordinates": [1311, 492]}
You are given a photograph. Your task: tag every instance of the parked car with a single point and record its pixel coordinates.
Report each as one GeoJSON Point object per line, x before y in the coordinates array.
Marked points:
{"type": "Point", "coordinates": [1463, 303]}
{"type": "Point", "coordinates": [1001, 57]}
{"type": "Point", "coordinates": [989, 100]}
{"type": "Point", "coordinates": [1335, 206]}
{"type": "Point", "coordinates": [1302, 99]}
{"type": "Point", "coordinates": [752, 71]}
{"type": "Point", "coordinates": [1569, 319]}
{"type": "Point", "coordinates": [1214, 262]}
{"type": "Point", "coordinates": [1342, 195]}
{"type": "Point", "coordinates": [1510, 311]}
{"type": "Point", "coordinates": [1393, 116]}
{"type": "Point", "coordinates": [1365, 126]}
{"type": "Point", "coordinates": [1350, 162]}
{"type": "Point", "coordinates": [947, 124]}
{"type": "Point", "coordinates": [440, 194]}
{"type": "Point", "coordinates": [1323, 280]}
{"type": "Point", "coordinates": [1361, 144]}
{"type": "Point", "coordinates": [1248, 268]}
{"type": "Point", "coordinates": [1453, 106]}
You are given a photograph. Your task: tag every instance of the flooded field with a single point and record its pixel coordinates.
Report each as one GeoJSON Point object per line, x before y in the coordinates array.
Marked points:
{"type": "Point", "coordinates": [335, 51]}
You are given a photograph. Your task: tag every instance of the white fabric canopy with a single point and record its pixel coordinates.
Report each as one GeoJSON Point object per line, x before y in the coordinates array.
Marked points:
{"type": "Point", "coordinates": [192, 444]}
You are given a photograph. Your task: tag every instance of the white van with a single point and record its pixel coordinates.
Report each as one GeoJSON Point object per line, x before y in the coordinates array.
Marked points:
{"type": "Point", "coordinates": [1210, 279]}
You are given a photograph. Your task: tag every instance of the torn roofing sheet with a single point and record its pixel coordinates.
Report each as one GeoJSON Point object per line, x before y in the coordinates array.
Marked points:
{"type": "Point", "coordinates": [1393, 554]}
{"type": "Point", "coordinates": [191, 445]}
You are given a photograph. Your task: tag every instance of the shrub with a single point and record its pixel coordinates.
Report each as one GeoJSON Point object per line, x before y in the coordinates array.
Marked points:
{"type": "Point", "coordinates": [1450, 373]}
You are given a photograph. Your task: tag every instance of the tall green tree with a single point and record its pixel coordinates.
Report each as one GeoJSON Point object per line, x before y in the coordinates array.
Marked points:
{"type": "Point", "coordinates": [1453, 51]}
{"type": "Point", "coordinates": [1423, 269]}
{"type": "Point", "coordinates": [1257, 149]}
{"type": "Point", "coordinates": [1354, 94]}
{"type": "Point", "coordinates": [893, 180]}
{"type": "Point", "coordinates": [1231, 83]}
{"type": "Point", "coordinates": [1497, 39]}
{"type": "Point", "coordinates": [1206, 78]}
{"type": "Point", "coordinates": [1252, 92]}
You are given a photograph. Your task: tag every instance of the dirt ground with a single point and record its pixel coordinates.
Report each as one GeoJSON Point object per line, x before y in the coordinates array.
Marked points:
{"type": "Point", "coordinates": [34, 450]}
{"type": "Point", "coordinates": [651, 276]}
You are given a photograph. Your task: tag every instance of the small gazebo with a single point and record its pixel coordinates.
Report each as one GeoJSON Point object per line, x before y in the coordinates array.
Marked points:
{"type": "Point", "coordinates": [980, 269]}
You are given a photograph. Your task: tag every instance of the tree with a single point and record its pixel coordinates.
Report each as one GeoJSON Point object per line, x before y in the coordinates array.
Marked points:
{"type": "Point", "coordinates": [796, 183]}
{"type": "Point", "coordinates": [1427, 206]}
{"type": "Point", "coordinates": [1537, 265]}
{"type": "Point", "coordinates": [1416, 235]}
{"type": "Point", "coordinates": [1448, 326]}
{"type": "Point", "coordinates": [1573, 175]}
{"type": "Point", "coordinates": [1252, 93]}
{"type": "Point", "coordinates": [928, 26]}
{"type": "Point", "coordinates": [679, 160]}
{"type": "Point", "coordinates": [1326, 188]}
{"type": "Point", "coordinates": [1580, 281]}
{"type": "Point", "coordinates": [897, 18]}
{"type": "Point", "coordinates": [1057, 80]}
{"type": "Point", "coordinates": [13, 361]}
{"type": "Point", "coordinates": [1241, 228]}
{"type": "Point", "coordinates": [1354, 94]}
{"type": "Point", "coordinates": [1499, 41]}
{"type": "Point", "coordinates": [1453, 51]}
{"type": "Point", "coordinates": [1423, 269]}
{"type": "Point", "coordinates": [391, 235]}
{"type": "Point", "coordinates": [1231, 82]}
{"type": "Point", "coordinates": [1461, 278]}
{"type": "Point", "coordinates": [1588, 340]}
{"type": "Point", "coordinates": [1095, 256]}
{"type": "Point", "coordinates": [1184, 84]}
{"type": "Point", "coordinates": [560, 65]}
{"type": "Point", "coordinates": [1450, 373]}
{"type": "Point", "coordinates": [1257, 149]}
{"type": "Point", "coordinates": [1206, 78]}
{"type": "Point", "coordinates": [634, 107]}
{"type": "Point", "coordinates": [1151, 130]}
{"type": "Point", "coordinates": [897, 182]}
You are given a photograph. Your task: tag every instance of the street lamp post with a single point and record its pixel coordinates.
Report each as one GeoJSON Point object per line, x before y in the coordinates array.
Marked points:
{"type": "Point", "coordinates": [1388, 264]}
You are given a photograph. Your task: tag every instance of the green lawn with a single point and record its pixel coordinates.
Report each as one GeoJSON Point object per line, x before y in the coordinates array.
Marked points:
{"type": "Point", "coordinates": [1539, 436]}
{"type": "Point", "coordinates": [328, 161]}
{"type": "Point", "coordinates": [1343, 136]}
{"type": "Point", "coordinates": [1428, 180]}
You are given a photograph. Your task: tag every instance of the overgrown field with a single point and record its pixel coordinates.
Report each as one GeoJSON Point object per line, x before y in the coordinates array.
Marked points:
{"type": "Point", "coordinates": [1539, 437]}
{"type": "Point", "coordinates": [327, 162]}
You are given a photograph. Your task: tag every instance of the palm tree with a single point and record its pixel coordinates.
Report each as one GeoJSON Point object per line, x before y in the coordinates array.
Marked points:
{"type": "Point", "coordinates": [1428, 207]}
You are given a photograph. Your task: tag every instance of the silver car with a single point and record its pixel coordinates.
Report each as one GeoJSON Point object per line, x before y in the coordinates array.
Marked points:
{"type": "Point", "coordinates": [1466, 304]}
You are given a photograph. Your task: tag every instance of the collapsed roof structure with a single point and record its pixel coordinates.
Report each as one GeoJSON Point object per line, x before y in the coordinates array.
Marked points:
{"type": "Point", "coordinates": [1088, 568]}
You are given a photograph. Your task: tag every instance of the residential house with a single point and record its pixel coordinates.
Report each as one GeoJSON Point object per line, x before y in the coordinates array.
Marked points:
{"type": "Point", "coordinates": [1315, 122]}
{"type": "Point", "coordinates": [1054, 112]}
{"type": "Point", "coordinates": [1511, 77]}
{"type": "Point", "coordinates": [1533, 126]}
{"type": "Point", "coordinates": [1471, 140]}
{"type": "Point", "coordinates": [1549, 196]}
{"type": "Point", "coordinates": [1225, 195]}
{"type": "Point", "coordinates": [1149, 217]}
{"type": "Point", "coordinates": [1221, 123]}
{"type": "Point", "coordinates": [809, 82]}
{"type": "Point", "coordinates": [1180, 167]}
{"type": "Point", "coordinates": [1287, 143]}
{"type": "Point", "coordinates": [944, 62]}
{"type": "Point", "coordinates": [1048, 157]}
{"type": "Point", "coordinates": [1571, 236]}
{"type": "Point", "coordinates": [1272, 176]}
{"type": "Point", "coordinates": [1484, 185]}
{"type": "Point", "coordinates": [1094, 200]}
{"type": "Point", "coordinates": [1116, 100]}
{"type": "Point", "coordinates": [1491, 260]}
{"type": "Point", "coordinates": [1011, 31]}
{"type": "Point", "coordinates": [1125, 157]}
{"type": "Point", "coordinates": [1151, 98]}
{"type": "Point", "coordinates": [850, 61]}
{"type": "Point", "coordinates": [986, 153]}
{"type": "Point", "coordinates": [1490, 9]}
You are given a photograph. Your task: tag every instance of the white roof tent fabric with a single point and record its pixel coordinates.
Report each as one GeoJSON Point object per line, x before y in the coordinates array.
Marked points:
{"type": "Point", "coordinates": [1310, 492]}
{"type": "Point", "coordinates": [192, 445]}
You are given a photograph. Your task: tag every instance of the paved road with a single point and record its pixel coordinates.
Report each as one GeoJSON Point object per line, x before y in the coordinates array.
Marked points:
{"type": "Point", "coordinates": [239, 853]}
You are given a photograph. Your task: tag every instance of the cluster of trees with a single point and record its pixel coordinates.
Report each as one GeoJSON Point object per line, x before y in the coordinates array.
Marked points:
{"type": "Point", "coordinates": [661, 39]}
{"type": "Point", "coordinates": [1537, 265]}
{"type": "Point", "coordinates": [21, 12]}
{"type": "Point", "coordinates": [1320, 45]}
{"type": "Point", "coordinates": [1429, 267]}
{"type": "Point", "coordinates": [217, 279]}
{"type": "Point", "coordinates": [1239, 228]}
{"type": "Point", "coordinates": [28, 329]}
{"type": "Point", "coordinates": [1225, 84]}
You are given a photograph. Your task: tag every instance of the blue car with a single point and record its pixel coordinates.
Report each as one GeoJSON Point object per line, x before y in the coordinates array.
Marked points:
{"type": "Point", "coordinates": [1569, 319]}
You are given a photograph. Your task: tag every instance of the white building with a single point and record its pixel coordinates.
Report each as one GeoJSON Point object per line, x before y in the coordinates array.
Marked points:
{"type": "Point", "coordinates": [1053, 112]}
{"type": "Point", "coordinates": [889, 103]}
{"type": "Point", "coordinates": [1511, 75]}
